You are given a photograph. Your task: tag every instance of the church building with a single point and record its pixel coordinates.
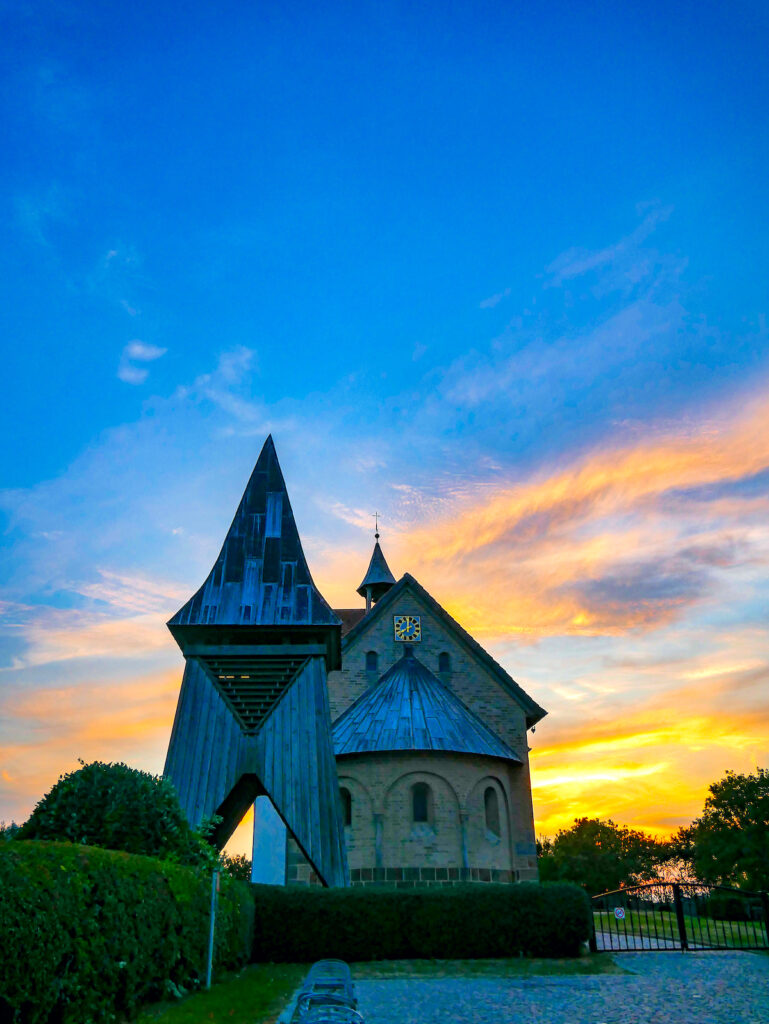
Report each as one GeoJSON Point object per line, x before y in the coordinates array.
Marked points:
{"type": "Point", "coordinates": [430, 737]}
{"type": "Point", "coordinates": [379, 744]}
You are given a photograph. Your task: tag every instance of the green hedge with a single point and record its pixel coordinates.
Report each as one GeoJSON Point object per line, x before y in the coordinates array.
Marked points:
{"type": "Point", "coordinates": [461, 922]}
{"type": "Point", "coordinates": [722, 905]}
{"type": "Point", "coordinates": [88, 935]}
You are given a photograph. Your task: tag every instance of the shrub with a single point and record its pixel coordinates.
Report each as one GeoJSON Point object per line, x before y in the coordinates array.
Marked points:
{"type": "Point", "coordinates": [236, 866]}
{"type": "Point", "coordinates": [726, 906]}
{"type": "Point", "coordinates": [600, 856]}
{"type": "Point", "coordinates": [118, 808]}
{"type": "Point", "coordinates": [469, 921]}
{"type": "Point", "coordinates": [8, 832]}
{"type": "Point", "coordinates": [89, 935]}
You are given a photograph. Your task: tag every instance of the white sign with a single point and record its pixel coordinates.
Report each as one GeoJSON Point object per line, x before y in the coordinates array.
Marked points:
{"type": "Point", "coordinates": [619, 913]}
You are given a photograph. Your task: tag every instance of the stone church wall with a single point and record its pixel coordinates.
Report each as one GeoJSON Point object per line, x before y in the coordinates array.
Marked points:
{"type": "Point", "coordinates": [386, 847]}
{"type": "Point", "coordinates": [475, 686]}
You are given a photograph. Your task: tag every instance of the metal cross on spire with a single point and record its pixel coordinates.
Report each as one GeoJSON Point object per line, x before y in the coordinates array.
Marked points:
{"type": "Point", "coordinates": [375, 516]}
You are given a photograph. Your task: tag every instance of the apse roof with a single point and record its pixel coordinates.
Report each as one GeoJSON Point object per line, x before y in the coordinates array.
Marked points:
{"type": "Point", "coordinates": [532, 710]}
{"type": "Point", "coordinates": [410, 709]}
{"type": "Point", "coordinates": [261, 576]}
{"type": "Point", "coordinates": [378, 575]}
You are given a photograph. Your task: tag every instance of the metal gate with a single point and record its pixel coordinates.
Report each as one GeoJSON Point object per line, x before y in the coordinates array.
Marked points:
{"type": "Point", "coordinates": [679, 916]}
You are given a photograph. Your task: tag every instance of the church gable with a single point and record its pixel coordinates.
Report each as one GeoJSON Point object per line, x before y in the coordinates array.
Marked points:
{"type": "Point", "coordinates": [370, 648]}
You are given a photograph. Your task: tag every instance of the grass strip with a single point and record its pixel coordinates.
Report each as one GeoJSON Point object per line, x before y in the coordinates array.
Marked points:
{"type": "Point", "coordinates": [255, 995]}
{"type": "Point", "coordinates": [517, 967]}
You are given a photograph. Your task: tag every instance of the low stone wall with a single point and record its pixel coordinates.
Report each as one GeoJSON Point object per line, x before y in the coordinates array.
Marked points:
{"type": "Point", "coordinates": [407, 878]}
{"type": "Point", "coordinates": [299, 872]}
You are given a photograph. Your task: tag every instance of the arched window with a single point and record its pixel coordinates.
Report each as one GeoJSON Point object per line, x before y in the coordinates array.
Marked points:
{"type": "Point", "coordinates": [444, 662]}
{"type": "Point", "coordinates": [420, 802]}
{"type": "Point", "coordinates": [346, 796]}
{"type": "Point", "coordinates": [371, 661]}
{"type": "Point", "coordinates": [491, 808]}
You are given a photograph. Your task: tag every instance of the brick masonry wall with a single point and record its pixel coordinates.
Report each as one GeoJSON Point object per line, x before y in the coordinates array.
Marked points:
{"type": "Point", "coordinates": [300, 873]}
{"type": "Point", "coordinates": [469, 679]}
{"type": "Point", "coordinates": [410, 878]}
{"type": "Point", "coordinates": [380, 786]}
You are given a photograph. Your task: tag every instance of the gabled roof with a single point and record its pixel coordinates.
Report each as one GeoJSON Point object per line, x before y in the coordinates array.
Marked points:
{"type": "Point", "coordinates": [261, 576]}
{"type": "Point", "coordinates": [533, 711]}
{"type": "Point", "coordinates": [350, 617]}
{"type": "Point", "coordinates": [410, 709]}
{"type": "Point", "coordinates": [378, 576]}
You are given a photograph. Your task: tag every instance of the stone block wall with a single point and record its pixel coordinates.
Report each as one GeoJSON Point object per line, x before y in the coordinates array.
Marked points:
{"type": "Point", "coordinates": [477, 687]}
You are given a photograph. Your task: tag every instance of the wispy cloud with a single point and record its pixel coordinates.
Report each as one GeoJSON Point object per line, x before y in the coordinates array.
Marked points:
{"type": "Point", "coordinates": [593, 547]}
{"type": "Point", "coordinates": [48, 635]}
{"type": "Point", "coordinates": [47, 730]}
{"type": "Point", "coordinates": [620, 256]}
{"type": "Point", "coordinates": [600, 565]}
{"type": "Point", "coordinates": [494, 300]}
{"type": "Point", "coordinates": [648, 765]}
{"type": "Point", "coordinates": [37, 212]}
{"type": "Point", "coordinates": [137, 352]}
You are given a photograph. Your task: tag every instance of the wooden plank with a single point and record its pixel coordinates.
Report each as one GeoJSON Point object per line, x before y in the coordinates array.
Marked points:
{"type": "Point", "coordinates": [254, 650]}
{"type": "Point", "coordinates": [205, 730]}
{"type": "Point", "coordinates": [185, 779]}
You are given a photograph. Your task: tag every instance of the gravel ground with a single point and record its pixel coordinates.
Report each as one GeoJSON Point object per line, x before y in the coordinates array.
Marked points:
{"type": "Point", "coordinates": [690, 988]}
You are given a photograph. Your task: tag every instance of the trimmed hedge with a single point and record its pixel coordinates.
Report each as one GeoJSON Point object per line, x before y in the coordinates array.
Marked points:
{"type": "Point", "coordinates": [88, 935]}
{"type": "Point", "coordinates": [461, 922]}
{"type": "Point", "coordinates": [722, 905]}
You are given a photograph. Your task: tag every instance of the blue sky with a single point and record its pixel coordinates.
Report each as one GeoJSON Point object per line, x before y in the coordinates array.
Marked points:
{"type": "Point", "coordinates": [462, 260]}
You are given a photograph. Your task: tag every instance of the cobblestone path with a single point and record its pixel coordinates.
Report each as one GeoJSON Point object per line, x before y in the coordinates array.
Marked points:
{"type": "Point", "coordinates": [664, 988]}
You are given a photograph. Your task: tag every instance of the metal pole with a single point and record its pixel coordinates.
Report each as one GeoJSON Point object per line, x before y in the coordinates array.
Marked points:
{"type": "Point", "coordinates": [214, 891]}
{"type": "Point", "coordinates": [680, 920]}
{"type": "Point", "coordinates": [765, 908]}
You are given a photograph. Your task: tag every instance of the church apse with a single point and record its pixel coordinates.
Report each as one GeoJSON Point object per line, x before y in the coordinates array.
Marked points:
{"type": "Point", "coordinates": [253, 717]}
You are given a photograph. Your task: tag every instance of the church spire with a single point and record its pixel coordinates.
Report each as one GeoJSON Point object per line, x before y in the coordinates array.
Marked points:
{"type": "Point", "coordinates": [378, 578]}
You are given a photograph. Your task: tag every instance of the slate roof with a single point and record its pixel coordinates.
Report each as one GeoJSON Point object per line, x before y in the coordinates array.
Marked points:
{"type": "Point", "coordinates": [261, 576]}
{"type": "Point", "coordinates": [378, 575]}
{"type": "Point", "coordinates": [532, 710]}
{"type": "Point", "coordinates": [410, 709]}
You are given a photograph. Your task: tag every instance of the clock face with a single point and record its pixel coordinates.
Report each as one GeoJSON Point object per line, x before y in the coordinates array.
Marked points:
{"type": "Point", "coordinates": [408, 628]}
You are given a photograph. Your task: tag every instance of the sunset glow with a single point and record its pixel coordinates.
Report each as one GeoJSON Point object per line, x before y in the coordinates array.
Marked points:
{"type": "Point", "coordinates": [504, 287]}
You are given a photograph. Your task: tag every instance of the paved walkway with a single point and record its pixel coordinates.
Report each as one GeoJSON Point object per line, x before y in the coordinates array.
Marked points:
{"type": "Point", "coordinates": [609, 941]}
{"type": "Point", "coordinates": [664, 988]}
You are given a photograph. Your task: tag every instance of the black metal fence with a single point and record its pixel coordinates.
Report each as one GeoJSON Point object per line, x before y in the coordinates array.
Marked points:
{"type": "Point", "coordinates": [679, 916]}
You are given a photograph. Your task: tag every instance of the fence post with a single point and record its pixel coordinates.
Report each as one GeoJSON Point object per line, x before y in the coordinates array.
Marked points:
{"type": "Point", "coordinates": [765, 905]}
{"type": "Point", "coordinates": [214, 891]}
{"type": "Point", "coordinates": [593, 940]}
{"type": "Point", "coordinates": [680, 916]}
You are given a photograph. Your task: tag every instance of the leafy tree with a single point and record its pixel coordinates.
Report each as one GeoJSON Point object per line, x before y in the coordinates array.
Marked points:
{"type": "Point", "coordinates": [600, 856]}
{"type": "Point", "coordinates": [729, 843]}
{"type": "Point", "coordinates": [237, 866]}
{"type": "Point", "coordinates": [8, 832]}
{"type": "Point", "coordinates": [119, 808]}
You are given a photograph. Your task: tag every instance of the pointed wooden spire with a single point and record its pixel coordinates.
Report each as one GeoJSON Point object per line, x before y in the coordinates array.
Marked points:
{"type": "Point", "coordinates": [261, 576]}
{"type": "Point", "coordinates": [253, 718]}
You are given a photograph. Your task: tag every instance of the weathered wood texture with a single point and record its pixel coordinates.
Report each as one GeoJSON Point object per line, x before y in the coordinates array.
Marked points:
{"type": "Point", "coordinates": [290, 760]}
{"type": "Point", "coordinates": [261, 577]}
{"type": "Point", "coordinates": [253, 715]}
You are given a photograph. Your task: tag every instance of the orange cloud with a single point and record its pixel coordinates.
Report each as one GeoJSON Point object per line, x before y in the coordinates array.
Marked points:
{"type": "Point", "coordinates": [605, 545]}
{"type": "Point", "coordinates": [53, 634]}
{"type": "Point", "coordinates": [644, 768]}
{"type": "Point", "coordinates": [129, 720]}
